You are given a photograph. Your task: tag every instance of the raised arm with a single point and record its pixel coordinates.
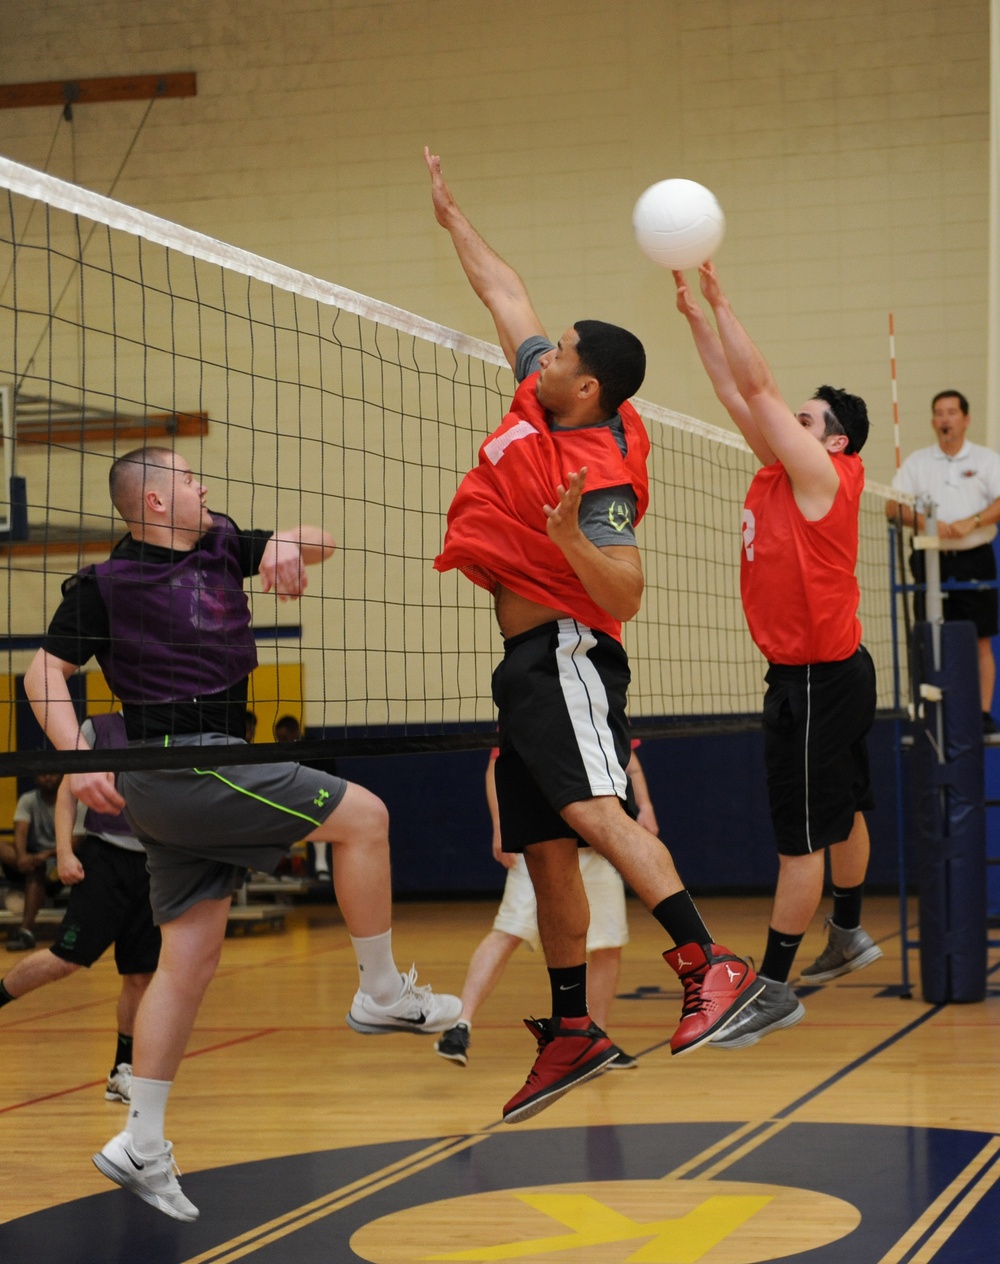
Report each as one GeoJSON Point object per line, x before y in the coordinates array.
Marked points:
{"type": "Point", "coordinates": [496, 282]}
{"type": "Point", "coordinates": [715, 364]}
{"type": "Point", "coordinates": [807, 463]}
{"type": "Point", "coordinates": [286, 555]}
{"type": "Point", "coordinates": [46, 687]}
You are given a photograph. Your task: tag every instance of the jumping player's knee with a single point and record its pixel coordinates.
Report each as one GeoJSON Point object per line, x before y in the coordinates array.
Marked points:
{"type": "Point", "coordinates": [359, 815]}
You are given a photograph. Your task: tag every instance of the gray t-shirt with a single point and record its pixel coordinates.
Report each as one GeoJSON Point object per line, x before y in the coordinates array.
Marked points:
{"type": "Point", "coordinates": [607, 515]}
{"type": "Point", "coordinates": [40, 815]}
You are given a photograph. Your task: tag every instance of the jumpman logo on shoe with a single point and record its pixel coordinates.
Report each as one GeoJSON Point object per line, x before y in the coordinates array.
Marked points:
{"type": "Point", "coordinates": [681, 961]}
{"type": "Point", "coordinates": [733, 974]}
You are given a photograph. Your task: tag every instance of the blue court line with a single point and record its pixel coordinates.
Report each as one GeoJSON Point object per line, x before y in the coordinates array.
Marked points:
{"type": "Point", "coordinates": [947, 1211]}
{"type": "Point", "coordinates": [858, 1062]}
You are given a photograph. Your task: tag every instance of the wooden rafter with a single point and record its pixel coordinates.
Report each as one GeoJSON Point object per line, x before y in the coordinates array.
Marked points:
{"type": "Point", "coordinates": [17, 96]}
{"type": "Point", "coordinates": [41, 419]}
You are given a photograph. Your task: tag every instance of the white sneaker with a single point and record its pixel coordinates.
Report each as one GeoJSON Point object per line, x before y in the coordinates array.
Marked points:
{"type": "Point", "coordinates": [119, 1086]}
{"type": "Point", "coordinates": [153, 1179]}
{"type": "Point", "coordinates": [417, 1010]}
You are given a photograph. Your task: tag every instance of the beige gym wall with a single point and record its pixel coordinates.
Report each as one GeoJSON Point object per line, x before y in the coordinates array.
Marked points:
{"type": "Point", "coordinates": [846, 139]}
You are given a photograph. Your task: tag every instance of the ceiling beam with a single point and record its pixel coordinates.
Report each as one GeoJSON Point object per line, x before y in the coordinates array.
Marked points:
{"type": "Point", "coordinates": [16, 96]}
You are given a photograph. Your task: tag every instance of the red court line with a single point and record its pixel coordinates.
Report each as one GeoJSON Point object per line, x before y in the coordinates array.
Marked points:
{"type": "Point", "coordinates": [80, 1088]}
{"type": "Point", "coordinates": [221, 973]}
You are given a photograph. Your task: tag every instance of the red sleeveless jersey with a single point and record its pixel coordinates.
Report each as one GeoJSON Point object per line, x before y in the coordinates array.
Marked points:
{"type": "Point", "coordinates": [800, 592]}
{"type": "Point", "coordinates": [496, 525]}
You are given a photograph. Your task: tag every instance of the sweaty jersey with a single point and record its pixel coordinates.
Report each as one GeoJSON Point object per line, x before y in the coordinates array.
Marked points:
{"type": "Point", "coordinates": [800, 592]}
{"type": "Point", "coordinates": [496, 524]}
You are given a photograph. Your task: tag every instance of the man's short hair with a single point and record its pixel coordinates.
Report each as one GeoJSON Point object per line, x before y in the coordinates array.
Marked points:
{"type": "Point", "coordinates": [615, 357]}
{"type": "Point", "coordinates": [850, 414]}
{"type": "Point", "coordinates": [288, 725]}
{"type": "Point", "coordinates": [963, 403]}
{"type": "Point", "coordinates": [127, 477]}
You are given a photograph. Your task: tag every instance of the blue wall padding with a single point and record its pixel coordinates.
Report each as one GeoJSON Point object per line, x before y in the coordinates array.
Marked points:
{"type": "Point", "coordinates": [709, 793]}
{"type": "Point", "coordinates": [951, 820]}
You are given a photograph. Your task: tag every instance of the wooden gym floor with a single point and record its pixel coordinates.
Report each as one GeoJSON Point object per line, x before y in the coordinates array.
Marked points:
{"type": "Point", "coordinates": [868, 1134]}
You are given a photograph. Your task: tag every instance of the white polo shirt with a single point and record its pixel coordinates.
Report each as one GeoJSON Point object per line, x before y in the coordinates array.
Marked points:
{"type": "Point", "coordinates": [960, 486]}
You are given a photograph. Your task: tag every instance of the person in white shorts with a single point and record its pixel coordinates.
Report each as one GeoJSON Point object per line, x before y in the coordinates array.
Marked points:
{"type": "Point", "coordinates": [516, 922]}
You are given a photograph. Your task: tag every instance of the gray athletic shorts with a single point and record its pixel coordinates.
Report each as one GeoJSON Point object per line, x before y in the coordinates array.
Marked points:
{"type": "Point", "coordinates": [203, 828]}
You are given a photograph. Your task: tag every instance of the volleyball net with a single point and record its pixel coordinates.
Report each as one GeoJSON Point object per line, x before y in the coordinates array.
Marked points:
{"type": "Point", "coordinates": [296, 400]}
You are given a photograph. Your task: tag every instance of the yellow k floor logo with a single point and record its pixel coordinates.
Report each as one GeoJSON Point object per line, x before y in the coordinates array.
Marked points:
{"type": "Point", "coordinates": [613, 1222]}
{"type": "Point", "coordinates": [681, 1240]}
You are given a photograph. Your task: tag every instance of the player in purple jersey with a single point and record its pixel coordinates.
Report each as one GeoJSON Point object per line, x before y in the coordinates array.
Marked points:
{"type": "Point", "coordinates": [168, 620]}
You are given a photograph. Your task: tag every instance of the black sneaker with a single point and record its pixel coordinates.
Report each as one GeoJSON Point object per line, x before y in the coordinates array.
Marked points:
{"type": "Point", "coordinates": [20, 941]}
{"type": "Point", "coordinates": [454, 1044]}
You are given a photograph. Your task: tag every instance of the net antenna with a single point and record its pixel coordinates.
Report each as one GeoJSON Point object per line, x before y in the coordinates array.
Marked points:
{"type": "Point", "coordinates": [900, 547]}
{"type": "Point", "coordinates": [7, 443]}
{"type": "Point", "coordinates": [328, 407]}
{"type": "Point", "coordinates": [895, 396]}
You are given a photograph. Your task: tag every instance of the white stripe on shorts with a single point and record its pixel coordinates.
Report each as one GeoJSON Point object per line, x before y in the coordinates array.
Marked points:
{"type": "Point", "coordinates": [587, 704]}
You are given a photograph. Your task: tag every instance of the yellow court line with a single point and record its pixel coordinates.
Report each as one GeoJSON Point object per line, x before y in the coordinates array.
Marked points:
{"type": "Point", "coordinates": [765, 1135]}
{"type": "Point", "coordinates": [337, 1199]}
{"type": "Point", "coordinates": [941, 1235]}
{"type": "Point", "coordinates": [920, 1227]}
{"type": "Point", "coordinates": [723, 1143]}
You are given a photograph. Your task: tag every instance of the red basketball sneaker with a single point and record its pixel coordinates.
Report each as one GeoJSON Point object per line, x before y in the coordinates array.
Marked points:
{"type": "Point", "coordinates": [570, 1050]}
{"type": "Point", "coordinates": [717, 985]}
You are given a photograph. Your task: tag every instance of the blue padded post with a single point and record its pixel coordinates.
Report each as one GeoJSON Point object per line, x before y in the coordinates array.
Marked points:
{"type": "Point", "coordinates": [951, 815]}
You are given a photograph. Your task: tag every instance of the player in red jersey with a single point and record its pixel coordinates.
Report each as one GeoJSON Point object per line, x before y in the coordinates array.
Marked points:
{"type": "Point", "coordinates": [546, 523]}
{"type": "Point", "coordinates": [800, 597]}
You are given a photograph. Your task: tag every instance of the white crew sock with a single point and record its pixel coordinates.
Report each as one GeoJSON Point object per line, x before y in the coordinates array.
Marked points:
{"type": "Point", "coordinates": [377, 969]}
{"type": "Point", "coordinates": [145, 1114]}
{"type": "Point", "coordinates": [321, 856]}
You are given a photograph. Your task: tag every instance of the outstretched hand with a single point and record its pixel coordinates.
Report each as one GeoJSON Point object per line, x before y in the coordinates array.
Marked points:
{"type": "Point", "coordinates": [444, 203]}
{"type": "Point", "coordinates": [711, 286]}
{"type": "Point", "coordinates": [563, 519]}
{"type": "Point", "coordinates": [686, 302]}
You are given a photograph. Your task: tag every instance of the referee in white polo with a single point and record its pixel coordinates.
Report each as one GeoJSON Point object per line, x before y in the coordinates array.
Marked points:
{"type": "Point", "coordinates": [963, 481]}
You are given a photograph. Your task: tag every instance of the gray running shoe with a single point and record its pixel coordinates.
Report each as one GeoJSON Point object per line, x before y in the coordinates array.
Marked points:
{"type": "Point", "coordinates": [622, 1061]}
{"type": "Point", "coordinates": [454, 1044]}
{"type": "Point", "coordinates": [776, 1007]}
{"type": "Point", "coordinates": [846, 950]}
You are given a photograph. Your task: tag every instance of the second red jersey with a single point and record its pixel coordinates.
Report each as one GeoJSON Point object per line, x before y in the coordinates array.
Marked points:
{"type": "Point", "coordinates": [800, 592]}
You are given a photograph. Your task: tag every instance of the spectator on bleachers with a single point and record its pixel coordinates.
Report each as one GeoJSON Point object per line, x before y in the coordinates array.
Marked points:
{"type": "Point", "coordinates": [34, 848]}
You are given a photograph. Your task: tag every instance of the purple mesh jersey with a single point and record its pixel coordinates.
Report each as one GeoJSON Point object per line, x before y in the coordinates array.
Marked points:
{"type": "Point", "coordinates": [180, 628]}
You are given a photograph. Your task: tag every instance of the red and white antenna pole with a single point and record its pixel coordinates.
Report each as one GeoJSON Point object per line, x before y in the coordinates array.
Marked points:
{"type": "Point", "coordinates": [895, 398]}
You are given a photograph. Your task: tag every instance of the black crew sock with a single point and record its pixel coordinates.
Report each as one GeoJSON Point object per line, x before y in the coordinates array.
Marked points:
{"type": "Point", "coordinates": [847, 906]}
{"type": "Point", "coordinates": [681, 920]}
{"type": "Point", "coordinates": [569, 991]}
{"type": "Point", "coordinates": [5, 996]}
{"type": "Point", "coordinates": [123, 1053]}
{"type": "Point", "coordinates": [779, 955]}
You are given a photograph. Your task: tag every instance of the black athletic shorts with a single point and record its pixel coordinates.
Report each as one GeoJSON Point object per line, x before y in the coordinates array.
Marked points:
{"type": "Point", "coordinates": [560, 692]}
{"type": "Point", "coordinates": [110, 906]}
{"type": "Point", "coordinates": [965, 565]}
{"type": "Point", "coordinates": [816, 720]}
